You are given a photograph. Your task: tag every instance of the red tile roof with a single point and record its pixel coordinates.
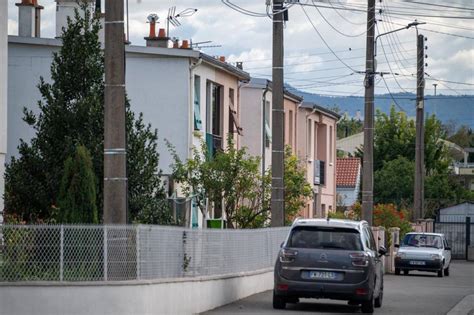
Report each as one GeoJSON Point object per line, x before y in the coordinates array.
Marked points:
{"type": "Point", "coordinates": [347, 171]}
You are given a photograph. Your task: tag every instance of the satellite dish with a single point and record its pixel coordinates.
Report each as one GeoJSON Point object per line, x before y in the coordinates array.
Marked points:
{"type": "Point", "coordinates": [153, 18]}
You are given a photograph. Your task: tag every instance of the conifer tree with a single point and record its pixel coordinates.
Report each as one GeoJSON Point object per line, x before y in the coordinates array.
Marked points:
{"type": "Point", "coordinates": [71, 112]}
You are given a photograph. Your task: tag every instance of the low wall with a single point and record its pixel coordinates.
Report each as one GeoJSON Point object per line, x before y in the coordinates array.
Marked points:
{"type": "Point", "coordinates": [172, 296]}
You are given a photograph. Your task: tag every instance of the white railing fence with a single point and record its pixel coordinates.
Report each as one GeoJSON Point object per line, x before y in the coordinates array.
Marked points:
{"type": "Point", "coordinates": [131, 252]}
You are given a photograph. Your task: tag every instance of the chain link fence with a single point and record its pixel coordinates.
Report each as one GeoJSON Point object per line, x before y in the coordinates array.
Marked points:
{"type": "Point", "coordinates": [131, 252]}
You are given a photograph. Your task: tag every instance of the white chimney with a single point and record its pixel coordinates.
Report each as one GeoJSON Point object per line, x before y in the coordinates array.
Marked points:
{"type": "Point", "coordinates": [26, 18]}
{"type": "Point", "coordinates": [65, 8]}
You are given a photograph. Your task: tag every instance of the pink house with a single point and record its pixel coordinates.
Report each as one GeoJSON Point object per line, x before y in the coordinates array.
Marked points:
{"type": "Point", "coordinates": [316, 147]}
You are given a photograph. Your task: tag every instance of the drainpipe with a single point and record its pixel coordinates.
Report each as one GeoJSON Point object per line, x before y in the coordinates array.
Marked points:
{"type": "Point", "coordinates": [264, 101]}
{"type": "Point", "coordinates": [191, 123]}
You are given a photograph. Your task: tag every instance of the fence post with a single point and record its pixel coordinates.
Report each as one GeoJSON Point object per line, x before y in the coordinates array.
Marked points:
{"type": "Point", "coordinates": [61, 258]}
{"type": "Point", "coordinates": [137, 238]}
{"type": "Point", "coordinates": [468, 235]}
{"type": "Point", "coordinates": [105, 253]}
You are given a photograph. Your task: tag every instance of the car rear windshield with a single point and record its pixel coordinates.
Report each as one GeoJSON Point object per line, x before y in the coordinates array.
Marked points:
{"type": "Point", "coordinates": [325, 238]}
{"type": "Point", "coordinates": [422, 240]}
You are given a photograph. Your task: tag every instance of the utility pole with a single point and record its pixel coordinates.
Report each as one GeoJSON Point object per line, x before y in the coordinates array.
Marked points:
{"type": "Point", "coordinates": [420, 130]}
{"type": "Point", "coordinates": [278, 154]}
{"type": "Point", "coordinates": [115, 154]}
{"type": "Point", "coordinates": [368, 163]}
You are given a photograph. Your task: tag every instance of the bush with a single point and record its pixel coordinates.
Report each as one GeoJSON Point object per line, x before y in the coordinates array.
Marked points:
{"type": "Point", "coordinates": [388, 216]}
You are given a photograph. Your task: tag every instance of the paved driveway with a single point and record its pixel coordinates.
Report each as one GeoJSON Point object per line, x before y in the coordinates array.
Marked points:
{"type": "Point", "coordinates": [417, 293]}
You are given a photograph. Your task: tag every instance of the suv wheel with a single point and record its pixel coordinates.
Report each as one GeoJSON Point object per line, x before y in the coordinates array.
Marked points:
{"type": "Point", "coordinates": [446, 271]}
{"type": "Point", "coordinates": [440, 273]}
{"type": "Point", "coordinates": [279, 302]}
{"type": "Point", "coordinates": [368, 306]}
{"type": "Point", "coordinates": [378, 301]}
{"type": "Point", "coordinates": [397, 271]}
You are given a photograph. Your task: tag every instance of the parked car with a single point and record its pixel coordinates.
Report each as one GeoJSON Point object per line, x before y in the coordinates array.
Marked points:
{"type": "Point", "coordinates": [334, 259]}
{"type": "Point", "coordinates": [423, 252]}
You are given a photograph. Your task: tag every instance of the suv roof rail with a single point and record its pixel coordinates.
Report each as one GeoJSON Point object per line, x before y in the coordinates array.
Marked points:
{"type": "Point", "coordinates": [297, 219]}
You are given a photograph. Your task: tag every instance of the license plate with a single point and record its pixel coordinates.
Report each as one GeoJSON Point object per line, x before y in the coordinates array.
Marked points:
{"type": "Point", "coordinates": [417, 262]}
{"type": "Point", "coordinates": [322, 275]}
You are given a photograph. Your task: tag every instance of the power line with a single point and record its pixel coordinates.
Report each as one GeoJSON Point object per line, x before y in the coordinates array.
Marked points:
{"type": "Point", "coordinates": [439, 5]}
{"type": "Point", "coordinates": [324, 41]}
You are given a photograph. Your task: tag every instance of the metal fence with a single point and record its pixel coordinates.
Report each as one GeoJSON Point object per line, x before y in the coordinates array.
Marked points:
{"type": "Point", "coordinates": [131, 252]}
{"type": "Point", "coordinates": [460, 235]}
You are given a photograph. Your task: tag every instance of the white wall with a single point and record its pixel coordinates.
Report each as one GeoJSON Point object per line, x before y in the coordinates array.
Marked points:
{"type": "Point", "coordinates": [183, 296]}
{"type": "Point", "coordinates": [157, 86]}
{"type": "Point", "coordinates": [3, 96]}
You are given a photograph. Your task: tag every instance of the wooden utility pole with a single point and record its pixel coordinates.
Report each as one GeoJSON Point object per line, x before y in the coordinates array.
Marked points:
{"type": "Point", "coordinates": [420, 130]}
{"type": "Point", "coordinates": [115, 153]}
{"type": "Point", "coordinates": [368, 163]}
{"type": "Point", "coordinates": [278, 141]}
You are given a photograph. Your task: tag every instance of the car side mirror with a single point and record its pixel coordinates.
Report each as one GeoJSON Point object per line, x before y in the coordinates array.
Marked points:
{"type": "Point", "coordinates": [447, 248]}
{"type": "Point", "coordinates": [397, 245]}
{"type": "Point", "coordinates": [281, 245]}
{"type": "Point", "coordinates": [382, 251]}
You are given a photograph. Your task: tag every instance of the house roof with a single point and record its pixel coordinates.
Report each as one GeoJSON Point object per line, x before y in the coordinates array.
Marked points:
{"type": "Point", "coordinates": [322, 109]}
{"type": "Point", "coordinates": [260, 83]}
{"type": "Point", "coordinates": [347, 172]}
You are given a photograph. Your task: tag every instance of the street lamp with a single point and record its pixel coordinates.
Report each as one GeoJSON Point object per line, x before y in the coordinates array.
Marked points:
{"type": "Point", "coordinates": [415, 24]}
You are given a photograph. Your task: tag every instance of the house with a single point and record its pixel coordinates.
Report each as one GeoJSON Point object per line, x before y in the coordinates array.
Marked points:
{"type": "Point", "coordinates": [349, 145]}
{"type": "Point", "coordinates": [256, 119]}
{"type": "Point", "coordinates": [316, 147]}
{"type": "Point", "coordinates": [457, 213]}
{"type": "Point", "coordinates": [3, 97]}
{"type": "Point", "coordinates": [348, 175]}
{"type": "Point", "coordinates": [187, 95]}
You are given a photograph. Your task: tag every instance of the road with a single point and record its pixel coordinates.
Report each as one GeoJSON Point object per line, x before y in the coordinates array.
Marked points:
{"type": "Point", "coordinates": [417, 293]}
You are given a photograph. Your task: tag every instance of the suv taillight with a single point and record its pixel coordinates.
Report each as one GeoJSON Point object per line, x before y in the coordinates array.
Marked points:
{"type": "Point", "coordinates": [359, 259]}
{"type": "Point", "coordinates": [288, 255]}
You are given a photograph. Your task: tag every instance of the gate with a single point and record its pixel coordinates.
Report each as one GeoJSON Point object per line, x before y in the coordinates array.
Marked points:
{"type": "Point", "coordinates": [460, 236]}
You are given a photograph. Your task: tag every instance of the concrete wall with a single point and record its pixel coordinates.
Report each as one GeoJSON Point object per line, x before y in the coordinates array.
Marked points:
{"type": "Point", "coordinates": [182, 296]}
{"type": "Point", "coordinates": [3, 96]}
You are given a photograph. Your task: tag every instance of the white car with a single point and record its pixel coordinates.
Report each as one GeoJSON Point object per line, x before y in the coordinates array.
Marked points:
{"type": "Point", "coordinates": [423, 252]}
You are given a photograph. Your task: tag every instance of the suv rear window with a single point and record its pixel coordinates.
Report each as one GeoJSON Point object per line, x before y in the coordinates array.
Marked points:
{"type": "Point", "coordinates": [324, 238]}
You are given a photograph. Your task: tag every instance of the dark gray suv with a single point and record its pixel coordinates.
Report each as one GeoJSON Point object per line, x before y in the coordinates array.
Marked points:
{"type": "Point", "coordinates": [332, 259]}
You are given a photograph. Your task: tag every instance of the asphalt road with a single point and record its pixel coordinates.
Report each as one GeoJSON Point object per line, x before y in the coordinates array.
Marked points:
{"type": "Point", "coordinates": [417, 293]}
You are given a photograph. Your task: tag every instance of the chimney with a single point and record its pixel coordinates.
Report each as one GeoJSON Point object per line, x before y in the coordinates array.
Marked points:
{"type": "Point", "coordinates": [38, 9]}
{"type": "Point", "coordinates": [175, 42]}
{"type": "Point", "coordinates": [26, 18]}
{"type": "Point", "coordinates": [156, 41]}
{"type": "Point", "coordinates": [222, 58]}
{"type": "Point", "coordinates": [65, 9]}
{"type": "Point", "coordinates": [240, 65]}
{"type": "Point", "coordinates": [185, 44]}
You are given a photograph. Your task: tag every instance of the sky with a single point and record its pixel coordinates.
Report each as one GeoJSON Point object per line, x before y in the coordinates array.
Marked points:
{"type": "Point", "coordinates": [313, 61]}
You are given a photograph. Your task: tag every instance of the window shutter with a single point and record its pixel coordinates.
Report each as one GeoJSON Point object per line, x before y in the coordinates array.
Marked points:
{"type": "Point", "coordinates": [234, 116]}
{"type": "Point", "coordinates": [197, 113]}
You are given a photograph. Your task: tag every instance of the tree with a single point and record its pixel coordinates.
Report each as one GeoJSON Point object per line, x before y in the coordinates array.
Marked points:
{"type": "Point", "coordinates": [71, 114]}
{"type": "Point", "coordinates": [77, 193]}
{"type": "Point", "coordinates": [231, 181]}
{"type": "Point", "coordinates": [394, 182]}
{"type": "Point", "coordinates": [297, 188]}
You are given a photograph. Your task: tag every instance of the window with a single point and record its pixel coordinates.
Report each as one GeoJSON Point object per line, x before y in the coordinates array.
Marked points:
{"type": "Point", "coordinates": [290, 128]}
{"type": "Point", "coordinates": [197, 103]}
{"type": "Point", "coordinates": [324, 238]}
{"type": "Point", "coordinates": [323, 210]}
{"type": "Point", "coordinates": [330, 145]}
{"type": "Point", "coordinates": [309, 139]}
{"type": "Point", "coordinates": [233, 117]}
{"type": "Point", "coordinates": [214, 109]}
{"type": "Point", "coordinates": [315, 137]}
{"type": "Point", "coordinates": [268, 131]}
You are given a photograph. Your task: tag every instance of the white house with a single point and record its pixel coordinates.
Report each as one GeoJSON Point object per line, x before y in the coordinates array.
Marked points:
{"type": "Point", "coordinates": [184, 93]}
{"type": "Point", "coordinates": [3, 97]}
{"type": "Point", "coordinates": [348, 173]}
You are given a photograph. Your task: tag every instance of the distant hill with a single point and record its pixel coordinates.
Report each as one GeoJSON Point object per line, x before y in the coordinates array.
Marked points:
{"type": "Point", "coordinates": [458, 109]}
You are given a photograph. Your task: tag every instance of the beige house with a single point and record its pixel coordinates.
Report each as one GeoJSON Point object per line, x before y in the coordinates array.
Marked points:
{"type": "Point", "coordinates": [310, 130]}
{"type": "Point", "coordinates": [256, 119]}
{"type": "Point", "coordinates": [316, 146]}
